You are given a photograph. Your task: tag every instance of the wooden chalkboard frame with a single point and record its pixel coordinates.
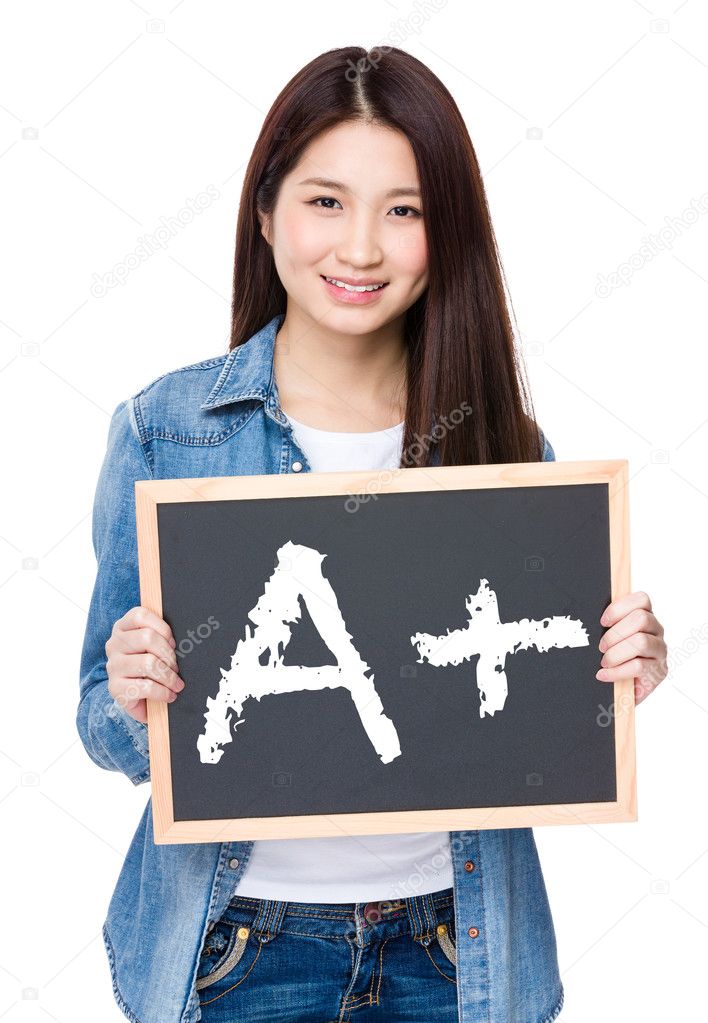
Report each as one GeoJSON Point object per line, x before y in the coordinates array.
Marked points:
{"type": "Point", "coordinates": [149, 494]}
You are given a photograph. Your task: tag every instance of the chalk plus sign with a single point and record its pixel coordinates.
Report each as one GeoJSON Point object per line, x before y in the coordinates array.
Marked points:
{"type": "Point", "coordinates": [493, 640]}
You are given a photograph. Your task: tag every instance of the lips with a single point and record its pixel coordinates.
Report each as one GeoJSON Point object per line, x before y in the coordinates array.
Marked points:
{"type": "Point", "coordinates": [357, 295]}
{"type": "Point", "coordinates": [378, 285]}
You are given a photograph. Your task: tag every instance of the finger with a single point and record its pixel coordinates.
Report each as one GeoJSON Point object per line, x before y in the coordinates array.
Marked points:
{"type": "Point", "coordinates": [146, 640]}
{"type": "Point", "coordinates": [643, 687]}
{"type": "Point", "coordinates": [136, 708]}
{"type": "Point", "coordinates": [146, 665]}
{"type": "Point", "coordinates": [129, 689]}
{"type": "Point", "coordinates": [623, 605]}
{"type": "Point", "coordinates": [646, 669]}
{"type": "Point", "coordinates": [639, 644]}
{"type": "Point", "coordinates": [639, 620]}
{"type": "Point", "coordinates": [141, 617]}
{"type": "Point", "coordinates": [139, 711]}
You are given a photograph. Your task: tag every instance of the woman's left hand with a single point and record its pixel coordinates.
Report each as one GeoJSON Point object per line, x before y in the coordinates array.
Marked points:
{"type": "Point", "coordinates": [634, 645]}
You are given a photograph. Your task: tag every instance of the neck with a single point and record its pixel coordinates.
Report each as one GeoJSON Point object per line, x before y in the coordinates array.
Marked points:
{"type": "Point", "coordinates": [355, 379]}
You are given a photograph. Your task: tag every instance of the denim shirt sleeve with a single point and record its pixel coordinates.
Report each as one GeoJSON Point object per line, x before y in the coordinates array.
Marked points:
{"type": "Point", "coordinates": [549, 454]}
{"type": "Point", "coordinates": [113, 739]}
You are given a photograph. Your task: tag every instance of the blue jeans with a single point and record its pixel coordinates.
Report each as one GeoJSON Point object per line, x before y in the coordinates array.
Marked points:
{"type": "Point", "coordinates": [266, 960]}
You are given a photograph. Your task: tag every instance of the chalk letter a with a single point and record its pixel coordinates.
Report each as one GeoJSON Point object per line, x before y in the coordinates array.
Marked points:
{"type": "Point", "coordinates": [275, 611]}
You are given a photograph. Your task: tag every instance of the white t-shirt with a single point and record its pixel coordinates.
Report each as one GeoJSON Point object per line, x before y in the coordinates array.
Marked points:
{"type": "Point", "coordinates": [351, 868]}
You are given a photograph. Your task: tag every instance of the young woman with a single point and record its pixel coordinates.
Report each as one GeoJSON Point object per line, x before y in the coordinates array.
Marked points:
{"type": "Point", "coordinates": [368, 302]}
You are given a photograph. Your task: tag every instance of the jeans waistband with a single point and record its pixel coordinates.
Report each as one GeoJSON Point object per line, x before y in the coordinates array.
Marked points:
{"type": "Point", "coordinates": [423, 913]}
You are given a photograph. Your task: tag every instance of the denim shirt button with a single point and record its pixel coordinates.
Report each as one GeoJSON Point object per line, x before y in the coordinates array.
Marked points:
{"type": "Point", "coordinates": [473, 932]}
{"type": "Point", "coordinates": [233, 863]}
{"type": "Point", "coordinates": [297, 466]}
{"type": "Point", "coordinates": [469, 865]}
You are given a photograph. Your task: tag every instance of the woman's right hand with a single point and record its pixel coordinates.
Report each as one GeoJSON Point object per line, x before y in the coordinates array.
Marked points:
{"type": "Point", "coordinates": [141, 662]}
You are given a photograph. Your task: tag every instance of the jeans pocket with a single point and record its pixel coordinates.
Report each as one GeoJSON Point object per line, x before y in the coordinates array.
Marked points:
{"type": "Point", "coordinates": [230, 950]}
{"type": "Point", "coordinates": [442, 950]}
{"type": "Point", "coordinates": [446, 941]}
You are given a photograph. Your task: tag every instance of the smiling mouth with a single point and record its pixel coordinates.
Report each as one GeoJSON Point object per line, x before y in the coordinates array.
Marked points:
{"type": "Point", "coordinates": [353, 287]}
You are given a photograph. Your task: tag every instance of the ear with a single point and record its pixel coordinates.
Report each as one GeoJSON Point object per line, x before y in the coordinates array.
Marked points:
{"type": "Point", "coordinates": [264, 220]}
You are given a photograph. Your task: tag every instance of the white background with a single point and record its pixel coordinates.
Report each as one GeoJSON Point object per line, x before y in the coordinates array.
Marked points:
{"type": "Point", "coordinates": [588, 120]}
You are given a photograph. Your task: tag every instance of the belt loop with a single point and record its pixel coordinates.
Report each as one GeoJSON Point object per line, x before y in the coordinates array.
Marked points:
{"type": "Point", "coordinates": [429, 907]}
{"type": "Point", "coordinates": [423, 917]}
{"type": "Point", "coordinates": [361, 924]}
{"type": "Point", "coordinates": [269, 918]}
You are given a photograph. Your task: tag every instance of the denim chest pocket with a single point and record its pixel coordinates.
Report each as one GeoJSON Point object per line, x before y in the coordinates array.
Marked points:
{"type": "Point", "coordinates": [233, 444]}
{"type": "Point", "coordinates": [229, 953]}
{"type": "Point", "coordinates": [208, 430]}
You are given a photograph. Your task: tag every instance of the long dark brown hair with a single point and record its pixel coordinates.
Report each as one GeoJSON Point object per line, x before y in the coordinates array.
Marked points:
{"type": "Point", "coordinates": [465, 376]}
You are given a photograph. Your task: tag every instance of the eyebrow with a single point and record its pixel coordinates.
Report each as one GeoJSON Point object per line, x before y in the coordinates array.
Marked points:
{"type": "Point", "coordinates": [338, 186]}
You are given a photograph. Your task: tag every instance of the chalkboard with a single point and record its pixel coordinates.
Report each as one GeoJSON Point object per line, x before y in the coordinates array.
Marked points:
{"type": "Point", "coordinates": [417, 658]}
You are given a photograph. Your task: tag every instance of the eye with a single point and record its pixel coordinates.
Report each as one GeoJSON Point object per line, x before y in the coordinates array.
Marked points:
{"type": "Point", "coordinates": [329, 199]}
{"type": "Point", "coordinates": [323, 198]}
{"type": "Point", "coordinates": [416, 213]}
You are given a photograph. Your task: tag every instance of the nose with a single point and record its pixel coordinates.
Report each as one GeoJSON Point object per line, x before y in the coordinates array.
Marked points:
{"type": "Point", "coordinates": [359, 245]}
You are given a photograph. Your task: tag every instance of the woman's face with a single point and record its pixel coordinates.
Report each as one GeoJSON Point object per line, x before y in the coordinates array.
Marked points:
{"type": "Point", "coordinates": [361, 222]}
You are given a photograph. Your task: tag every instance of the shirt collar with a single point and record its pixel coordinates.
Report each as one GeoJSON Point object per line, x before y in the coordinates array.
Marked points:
{"type": "Point", "coordinates": [248, 369]}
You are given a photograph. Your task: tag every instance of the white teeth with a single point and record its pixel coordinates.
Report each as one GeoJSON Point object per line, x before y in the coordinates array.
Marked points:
{"type": "Point", "coordinates": [353, 287]}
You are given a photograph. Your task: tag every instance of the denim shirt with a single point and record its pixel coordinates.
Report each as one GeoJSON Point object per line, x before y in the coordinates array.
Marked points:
{"type": "Point", "coordinates": [222, 417]}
